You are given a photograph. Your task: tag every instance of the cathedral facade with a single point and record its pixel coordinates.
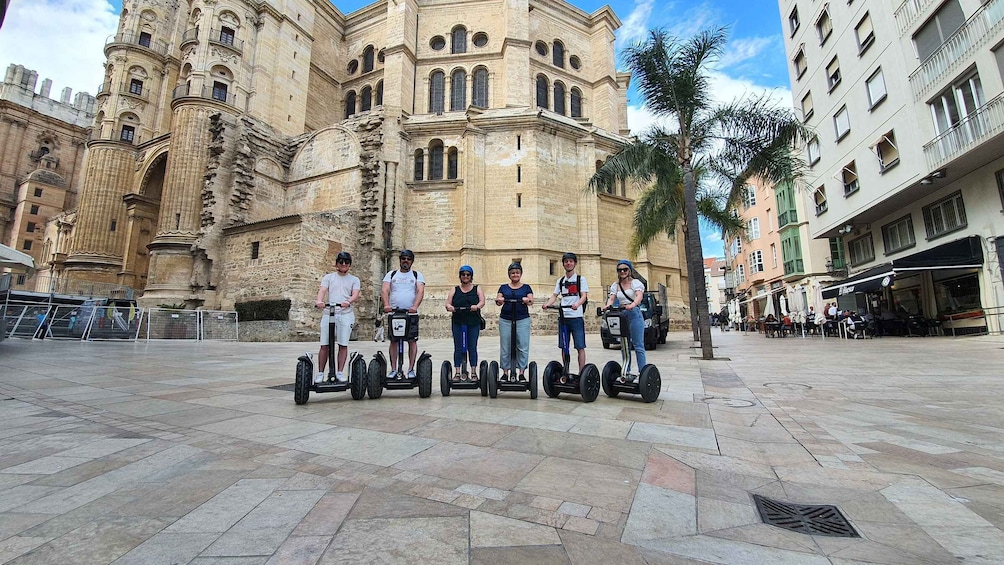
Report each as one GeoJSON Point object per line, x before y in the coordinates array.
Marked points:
{"type": "Point", "coordinates": [239, 145]}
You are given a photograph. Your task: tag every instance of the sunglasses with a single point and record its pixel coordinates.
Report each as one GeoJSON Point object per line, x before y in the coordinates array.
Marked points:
{"type": "Point", "coordinates": [625, 270]}
{"type": "Point", "coordinates": [343, 262]}
{"type": "Point", "coordinates": [466, 274]}
{"type": "Point", "coordinates": [405, 259]}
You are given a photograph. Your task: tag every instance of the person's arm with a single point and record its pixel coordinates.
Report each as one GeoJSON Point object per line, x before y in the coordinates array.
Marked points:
{"type": "Point", "coordinates": [419, 296]}
{"type": "Point", "coordinates": [499, 298]}
{"type": "Point", "coordinates": [612, 296]}
{"type": "Point", "coordinates": [385, 295]}
{"type": "Point", "coordinates": [354, 297]}
{"type": "Point", "coordinates": [481, 300]}
{"type": "Point", "coordinates": [321, 295]}
{"type": "Point", "coordinates": [449, 300]}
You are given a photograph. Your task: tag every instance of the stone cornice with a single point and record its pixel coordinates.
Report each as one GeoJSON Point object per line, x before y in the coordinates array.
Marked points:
{"type": "Point", "coordinates": [264, 224]}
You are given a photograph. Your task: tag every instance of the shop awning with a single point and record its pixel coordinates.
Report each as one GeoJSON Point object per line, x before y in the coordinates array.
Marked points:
{"type": "Point", "coordinates": [872, 279]}
{"type": "Point", "coordinates": [963, 253]}
{"type": "Point", "coordinates": [15, 260]}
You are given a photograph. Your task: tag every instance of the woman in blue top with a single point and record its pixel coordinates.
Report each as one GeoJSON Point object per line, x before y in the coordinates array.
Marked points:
{"type": "Point", "coordinates": [466, 295]}
{"type": "Point", "coordinates": [518, 313]}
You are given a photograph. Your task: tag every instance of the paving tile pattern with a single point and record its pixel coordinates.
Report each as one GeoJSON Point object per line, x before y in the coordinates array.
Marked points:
{"type": "Point", "coordinates": [180, 453]}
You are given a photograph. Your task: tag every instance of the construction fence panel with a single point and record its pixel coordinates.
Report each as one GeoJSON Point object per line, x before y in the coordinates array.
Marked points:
{"type": "Point", "coordinates": [68, 322]}
{"type": "Point", "coordinates": [163, 323]}
{"type": "Point", "coordinates": [219, 325]}
{"type": "Point", "coordinates": [111, 322]}
{"type": "Point", "coordinates": [23, 318]}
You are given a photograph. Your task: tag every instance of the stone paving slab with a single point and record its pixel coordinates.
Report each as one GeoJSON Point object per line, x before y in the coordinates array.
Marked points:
{"type": "Point", "coordinates": [178, 452]}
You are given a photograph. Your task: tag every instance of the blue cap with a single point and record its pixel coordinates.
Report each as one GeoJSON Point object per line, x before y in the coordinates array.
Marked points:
{"type": "Point", "coordinates": [467, 269]}
{"type": "Point", "coordinates": [625, 262]}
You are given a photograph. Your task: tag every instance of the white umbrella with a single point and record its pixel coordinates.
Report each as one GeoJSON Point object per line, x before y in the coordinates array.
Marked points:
{"type": "Point", "coordinates": [769, 309]}
{"type": "Point", "coordinates": [784, 305]}
{"type": "Point", "coordinates": [734, 312]}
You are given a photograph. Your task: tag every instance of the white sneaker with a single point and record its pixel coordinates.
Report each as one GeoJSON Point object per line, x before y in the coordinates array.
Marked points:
{"type": "Point", "coordinates": [340, 376]}
{"type": "Point", "coordinates": [411, 374]}
{"type": "Point", "coordinates": [392, 374]}
{"type": "Point", "coordinates": [319, 378]}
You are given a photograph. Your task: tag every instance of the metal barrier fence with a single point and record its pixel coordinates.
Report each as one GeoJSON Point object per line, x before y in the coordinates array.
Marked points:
{"type": "Point", "coordinates": [108, 322]}
{"type": "Point", "coordinates": [219, 325]}
{"type": "Point", "coordinates": [992, 317]}
{"type": "Point", "coordinates": [22, 318]}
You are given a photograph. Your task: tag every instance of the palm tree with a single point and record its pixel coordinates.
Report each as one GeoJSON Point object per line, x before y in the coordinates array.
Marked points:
{"type": "Point", "coordinates": [732, 143]}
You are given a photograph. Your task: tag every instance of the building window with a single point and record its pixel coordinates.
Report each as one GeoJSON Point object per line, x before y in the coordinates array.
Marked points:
{"type": "Point", "coordinates": [34, 207]}
{"type": "Point", "coordinates": [436, 161]}
{"type": "Point", "coordinates": [833, 73]}
{"type": "Point", "coordinates": [865, 33]}
{"type": "Point", "coordinates": [837, 260]}
{"type": "Point", "coordinates": [128, 134]}
{"type": "Point", "coordinates": [437, 87]}
{"type": "Point", "coordinates": [368, 59]}
{"type": "Point", "coordinates": [948, 19]}
{"type": "Point", "coordinates": [849, 177]}
{"type": "Point", "coordinates": [352, 67]}
{"type": "Point", "coordinates": [887, 151]}
{"type": "Point", "coordinates": [479, 91]}
{"type": "Point", "coordinates": [113, 225]}
{"type": "Point", "coordinates": [841, 123]}
{"type": "Point", "coordinates": [800, 64]}
{"type": "Point", "coordinates": [437, 43]}
{"type": "Point", "coordinates": [31, 227]}
{"type": "Point", "coordinates": [737, 246]}
{"type": "Point", "coordinates": [480, 39]}
{"type": "Point", "coordinates": [136, 87]}
{"type": "Point", "coordinates": [452, 163]}
{"type": "Point", "coordinates": [145, 39]}
{"type": "Point", "coordinates": [219, 91]}
{"type": "Point", "coordinates": [753, 228]}
{"type": "Point", "coordinates": [559, 98]}
{"type": "Point", "coordinates": [226, 35]}
{"type": "Point", "coordinates": [824, 27]}
{"type": "Point", "coordinates": [956, 103]}
{"type": "Point", "coordinates": [27, 245]}
{"type": "Point", "coordinates": [575, 99]}
{"type": "Point", "coordinates": [419, 164]}
{"type": "Point", "coordinates": [898, 235]}
{"type": "Point", "coordinates": [813, 149]}
{"type": "Point", "coordinates": [350, 103]}
{"type": "Point", "coordinates": [875, 85]}
{"type": "Point", "coordinates": [38, 193]}
{"type": "Point", "coordinates": [366, 99]}
{"type": "Point", "coordinates": [541, 48]}
{"type": "Point", "coordinates": [793, 21]}
{"type": "Point", "coordinates": [819, 197]}
{"type": "Point", "coordinates": [756, 262]}
{"type": "Point", "coordinates": [999, 174]}
{"type": "Point", "coordinates": [459, 40]}
{"type": "Point", "coordinates": [542, 92]}
{"type": "Point", "coordinates": [807, 107]}
{"type": "Point", "coordinates": [749, 196]}
{"type": "Point", "coordinates": [861, 250]}
{"type": "Point", "coordinates": [379, 94]}
{"type": "Point", "coordinates": [458, 90]}
{"type": "Point", "coordinates": [741, 273]}
{"type": "Point", "coordinates": [255, 248]}
{"type": "Point", "coordinates": [558, 54]}
{"type": "Point", "coordinates": [791, 252]}
{"type": "Point", "coordinates": [773, 254]}
{"type": "Point", "coordinates": [945, 216]}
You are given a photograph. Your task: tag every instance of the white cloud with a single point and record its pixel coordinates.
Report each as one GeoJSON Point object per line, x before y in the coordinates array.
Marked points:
{"type": "Point", "coordinates": [60, 39]}
{"type": "Point", "coordinates": [713, 236]}
{"type": "Point", "coordinates": [745, 49]}
{"type": "Point", "coordinates": [635, 26]}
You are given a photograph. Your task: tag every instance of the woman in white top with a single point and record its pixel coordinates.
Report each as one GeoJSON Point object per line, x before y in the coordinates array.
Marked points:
{"type": "Point", "coordinates": [627, 293]}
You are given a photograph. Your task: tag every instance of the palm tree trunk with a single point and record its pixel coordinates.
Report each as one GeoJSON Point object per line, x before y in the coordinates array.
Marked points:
{"type": "Point", "coordinates": [691, 288]}
{"type": "Point", "coordinates": [695, 260]}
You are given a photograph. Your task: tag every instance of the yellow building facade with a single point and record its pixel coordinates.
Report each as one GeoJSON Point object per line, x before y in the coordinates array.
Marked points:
{"type": "Point", "coordinates": [239, 146]}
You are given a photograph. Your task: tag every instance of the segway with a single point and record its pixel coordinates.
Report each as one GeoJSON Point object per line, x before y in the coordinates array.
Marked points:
{"type": "Point", "coordinates": [647, 382]}
{"type": "Point", "coordinates": [356, 365]}
{"type": "Point", "coordinates": [558, 379]}
{"type": "Point", "coordinates": [399, 326]}
{"type": "Point", "coordinates": [446, 380]}
{"type": "Point", "coordinates": [497, 383]}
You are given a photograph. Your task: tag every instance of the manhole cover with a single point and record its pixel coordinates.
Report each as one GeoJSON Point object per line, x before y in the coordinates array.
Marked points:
{"type": "Point", "coordinates": [730, 402]}
{"type": "Point", "coordinates": [787, 385]}
{"type": "Point", "coordinates": [288, 387]}
{"type": "Point", "coordinates": [810, 519]}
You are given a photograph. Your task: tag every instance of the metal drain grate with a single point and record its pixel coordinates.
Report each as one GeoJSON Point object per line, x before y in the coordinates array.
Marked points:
{"type": "Point", "coordinates": [287, 387]}
{"type": "Point", "coordinates": [810, 519]}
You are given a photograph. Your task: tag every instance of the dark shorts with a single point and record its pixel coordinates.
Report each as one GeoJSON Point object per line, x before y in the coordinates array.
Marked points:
{"type": "Point", "coordinates": [411, 332]}
{"type": "Point", "coordinates": [577, 330]}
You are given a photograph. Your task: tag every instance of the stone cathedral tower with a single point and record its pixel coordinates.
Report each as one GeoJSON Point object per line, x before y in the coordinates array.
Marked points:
{"type": "Point", "coordinates": [239, 145]}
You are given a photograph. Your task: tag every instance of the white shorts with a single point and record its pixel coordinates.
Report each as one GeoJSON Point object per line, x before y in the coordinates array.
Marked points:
{"type": "Point", "coordinates": [343, 327]}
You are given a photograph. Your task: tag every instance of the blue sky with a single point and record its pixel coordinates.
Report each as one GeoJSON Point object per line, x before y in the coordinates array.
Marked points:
{"type": "Point", "coordinates": [63, 39]}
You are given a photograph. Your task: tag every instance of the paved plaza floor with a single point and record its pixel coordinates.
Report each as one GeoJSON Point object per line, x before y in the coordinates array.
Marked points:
{"type": "Point", "coordinates": [174, 453]}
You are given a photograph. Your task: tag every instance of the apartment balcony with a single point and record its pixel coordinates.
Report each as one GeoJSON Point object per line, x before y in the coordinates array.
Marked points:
{"type": "Point", "coordinates": [787, 217]}
{"type": "Point", "coordinates": [218, 37]}
{"type": "Point", "coordinates": [973, 132]}
{"type": "Point", "coordinates": [910, 11]}
{"type": "Point", "coordinates": [207, 93]}
{"type": "Point", "coordinates": [955, 52]}
{"type": "Point", "coordinates": [794, 268]}
{"type": "Point", "coordinates": [131, 39]}
{"type": "Point", "coordinates": [190, 36]}
{"type": "Point", "coordinates": [141, 94]}
{"type": "Point", "coordinates": [104, 90]}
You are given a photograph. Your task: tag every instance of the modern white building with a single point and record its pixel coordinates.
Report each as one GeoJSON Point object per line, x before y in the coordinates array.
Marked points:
{"type": "Point", "coordinates": [907, 173]}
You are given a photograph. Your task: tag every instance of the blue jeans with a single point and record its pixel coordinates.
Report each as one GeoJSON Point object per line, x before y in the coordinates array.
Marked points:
{"type": "Point", "coordinates": [522, 343]}
{"type": "Point", "coordinates": [472, 345]}
{"type": "Point", "coordinates": [636, 325]}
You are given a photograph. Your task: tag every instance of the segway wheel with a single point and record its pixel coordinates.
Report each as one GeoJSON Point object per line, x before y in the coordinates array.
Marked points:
{"type": "Point", "coordinates": [649, 383]}
{"type": "Point", "coordinates": [444, 378]}
{"type": "Point", "coordinates": [533, 380]}
{"type": "Point", "coordinates": [358, 379]}
{"type": "Point", "coordinates": [611, 371]}
{"type": "Point", "coordinates": [483, 377]}
{"type": "Point", "coordinates": [589, 383]}
{"type": "Point", "coordinates": [304, 378]}
{"type": "Point", "coordinates": [551, 373]}
{"type": "Point", "coordinates": [424, 373]}
{"type": "Point", "coordinates": [374, 383]}
{"type": "Point", "coordinates": [493, 380]}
